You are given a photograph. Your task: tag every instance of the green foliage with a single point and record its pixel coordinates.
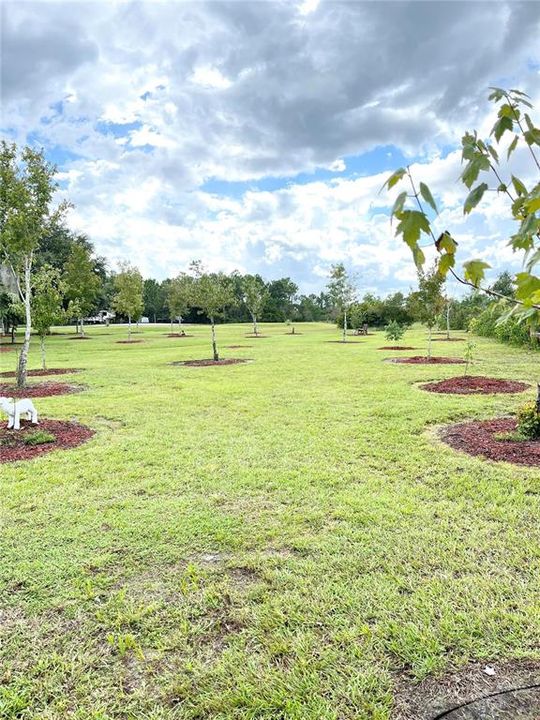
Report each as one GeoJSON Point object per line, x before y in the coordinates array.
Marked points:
{"type": "Point", "coordinates": [38, 437]}
{"type": "Point", "coordinates": [81, 279]}
{"type": "Point", "coordinates": [211, 292]}
{"type": "Point", "coordinates": [47, 300]}
{"type": "Point", "coordinates": [428, 301]}
{"type": "Point", "coordinates": [129, 286]}
{"type": "Point", "coordinates": [528, 421]}
{"type": "Point", "coordinates": [180, 295]}
{"type": "Point", "coordinates": [394, 331]}
{"type": "Point", "coordinates": [468, 355]}
{"type": "Point", "coordinates": [255, 294]}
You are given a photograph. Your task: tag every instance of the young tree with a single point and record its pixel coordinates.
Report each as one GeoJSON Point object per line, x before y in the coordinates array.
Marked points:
{"type": "Point", "coordinates": [427, 303]}
{"type": "Point", "coordinates": [342, 293]}
{"type": "Point", "coordinates": [179, 298]}
{"type": "Point", "coordinates": [82, 282]}
{"type": "Point", "coordinates": [211, 293]}
{"type": "Point", "coordinates": [255, 295]}
{"type": "Point", "coordinates": [128, 299]}
{"type": "Point", "coordinates": [27, 187]}
{"type": "Point", "coordinates": [47, 307]}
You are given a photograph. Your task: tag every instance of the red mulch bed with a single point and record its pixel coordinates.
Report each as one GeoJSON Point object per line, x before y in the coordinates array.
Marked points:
{"type": "Point", "coordinates": [236, 347]}
{"type": "Point", "coordinates": [423, 360]}
{"type": "Point", "coordinates": [128, 342]}
{"type": "Point", "coordinates": [293, 333]}
{"type": "Point", "coordinates": [475, 385]}
{"type": "Point", "coordinates": [251, 336]}
{"type": "Point", "coordinates": [67, 434]}
{"type": "Point", "coordinates": [206, 363]}
{"type": "Point", "coordinates": [45, 389]}
{"type": "Point", "coordinates": [40, 373]}
{"type": "Point", "coordinates": [345, 342]}
{"type": "Point", "coordinates": [448, 340]}
{"type": "Point", "coordinates": [396, 347]}
{"type": "Point", "coordinates": [477, 438]}
{"type": "Point", "coordinates": [7, 348]}
{"type": "Point", "coordinates": [80, 337]}
{"type": "Point", "coordinates": [177, 335]}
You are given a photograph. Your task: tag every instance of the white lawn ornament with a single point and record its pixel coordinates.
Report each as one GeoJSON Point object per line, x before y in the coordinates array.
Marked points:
{"type": "Point", "coordinates": [15, 408]}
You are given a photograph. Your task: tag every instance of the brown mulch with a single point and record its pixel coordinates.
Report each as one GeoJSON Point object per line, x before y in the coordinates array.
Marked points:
{"type": "Point", "coordinates": [209, 362]}
{"type": "Point", "coordinates": [7, 348]}
{"type": "Point", "coordinates": [447, 696]}
{"type": "Point", "coordinates": [40, 373]}
{"type": "Point", "coordinates": [396, 347]}
{"type": "Point", "coordinates": [251, 336]}
{"type": "Point", "coordinates": [345, 342]}
{"type": "Point", "coordinates": [237, 347]}
{"type": "Point", "coordinates": [45, 389]}
{"type": "Point", "coordinates": [424, 360]}
{"type": "Point", "coordinates": [475, 385]}
{"type": "Point", "coordinates": [448, 340]}
{"type": "Point", "coordinates": [177, 335]}
{"type": "Point", "coordinates": [128, 342]}
{"type": "Point", "coordinates": [80, 337]}
{"type": "Point", "coordinates": [477, 437]}
{"type": "Point", "coordinates": [67, 435]}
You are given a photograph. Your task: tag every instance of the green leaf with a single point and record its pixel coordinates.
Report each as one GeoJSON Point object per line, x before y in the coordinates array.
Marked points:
{"type": "Point", "coordinates": [399, 203]}
{"type": "Point", "coordinates": [446, 261]}
{"type": "Point", "coordinates": [512, 146]}
{"type": "Point", "coordinates": [519, 186]}
{"type": "Point", "coordinates": [445, 242]}
{"type": "Point", "coordinates": [494, 154]}
{"type": "Point", "coordinates": [496, 94]}
{"type": "Point", "coordinates": [502, 188]}
{"type": "Point", "coordinates": [474, 271]}
{"type": "Point", "coordinates": [474, 198]}
{"type": "Point", "coordinates": [394, 178]}
{"type": "Point", "coordinates": [501, 126]}
{"type": "Point", "coordinates": [411, 224]}
{"type": "Point", "coordinates": [425, 192]}
{"type": "Point", "coordinates": [472, 170]}
{"type": "Point", "coordinates": [532, 137]}
{"type": "Point", "coordinates": [526, 286]}
{"type": "Point", "coordinates": [418, 257]}
{"type": "Point", "coordinates": [507, 110]}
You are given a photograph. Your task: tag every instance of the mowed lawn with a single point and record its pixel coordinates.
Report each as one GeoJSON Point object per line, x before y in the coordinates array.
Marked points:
{"type": "Point", "coordinates": [283, 539]}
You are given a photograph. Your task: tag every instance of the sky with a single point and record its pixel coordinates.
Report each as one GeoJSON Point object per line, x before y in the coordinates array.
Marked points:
{"type": "Point", "coordinates": [255, 136]}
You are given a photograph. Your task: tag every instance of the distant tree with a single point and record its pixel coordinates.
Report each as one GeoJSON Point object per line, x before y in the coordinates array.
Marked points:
{"type": "Point", "coordinates": [342, 293]}
{"type": "Point", "coordinates": [180, 297]}
{"type": "Point", "coordinates": [211, 293]}
{"type": "Point", "coordinates": [152, 298]}
{"type": "Point", "coordinates": [128, 299]}
{"type": "Point", "coordinates": [255, 294]}
{"type": "Point", "coordinates": [428, 301]}
{"type": "Point", "coordinates": [82, 282]}
{"type": "Point", "coordinates": [278, 305]}
{"type": "Point", "coordinates": [11, 313]}
{"type": "Point", "coordinates": [47, 307]}
{"type": "Point", "coordinates": [27, 187]}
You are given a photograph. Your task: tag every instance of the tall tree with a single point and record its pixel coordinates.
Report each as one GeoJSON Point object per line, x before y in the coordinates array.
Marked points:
{"type": "Point", "coordinates": [27, 186]}
{"type": "Point", "coordinates": [255, 294]}
{"type": "Point", "coordinates": [180, 297]}
{"type": "Point", "coordinates": [47, 307]}
{"type": "Point", "coordinates": [128, 299]}
{"type": "Point", "coordinates": [82, 282]}
{"type": "Point", "coordinates": [278, 305]}
{"type": "Point", "coordinates": [152, 298]}
{"type": "Point", "coordinates": [211, 293]}
{"type": "Point", "coordinates": [342, 292]}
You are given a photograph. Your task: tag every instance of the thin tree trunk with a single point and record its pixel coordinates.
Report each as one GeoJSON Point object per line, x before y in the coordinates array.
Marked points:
{"type": "Point", "coordinates": [129, 328]}
{"type": "Point", "coordinates": [448, 321]}
{"type": "Point", "coordinates": [43, 355]}
{"type": "Point", "coordinates": [345, 326]}
{"type": "Point", "coordinates": [255, 330]}
{"type": "Point", "coordinates": [180, 324]}
{"type": "Point", "coordinates": [214, 344]}
{"type": "Point", "coordinates": [429, 345]}
{"type": "Point", "coordinates": [23, 357]}
{"type": "Point", "coordinates": [81, 320]}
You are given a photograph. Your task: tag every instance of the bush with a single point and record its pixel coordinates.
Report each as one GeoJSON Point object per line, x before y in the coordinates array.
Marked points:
{"type": "Point", "coordinates": [39, 437]}
{"type": "Point", "coordinates": [528, 421]}
{"type": "Point", "coordinates": [394, 331]}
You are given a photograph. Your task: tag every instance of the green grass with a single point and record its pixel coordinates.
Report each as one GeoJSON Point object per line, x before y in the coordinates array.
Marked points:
{"type": "Point", "coordinates": [274, 540]}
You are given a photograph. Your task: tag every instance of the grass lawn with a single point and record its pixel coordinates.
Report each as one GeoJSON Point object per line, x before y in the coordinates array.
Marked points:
{"type": "Point", "coordinates": [282, 539]}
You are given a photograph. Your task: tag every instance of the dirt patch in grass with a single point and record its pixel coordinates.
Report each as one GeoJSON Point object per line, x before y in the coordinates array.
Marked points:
{"type": "Point", "coordinates": [209, 362]}
{"type": "Point", "coordinates": [485, 438]}
{"type": "Point", "coordinates": [45, 389]}
{"type": "Point", "coordinates": [237, 347]}
{"type": "Point", "coordinates": [128, 342]}
{"type": "Point", "coordinates": [448, 340]}
{"type": "Point", "coordinates": [396, 347]}
{"type": "Point", "coordinates": [80, 337]}
{"type": "Point", "coordinates": [7, 348]}
{"type": "Point", "coordinates": [41, 373]}
{"type": "Point", "coordinates": [475, 385]}
{"type": "Point", "coordinates": [177, 335]}
{"type": "Point", "coordinates": [463, 694]}
{"type": "Point", "coordinates": [66, 435]}
{"type": "Point", "coordinates": [345, 342]}
{"type": "Point", "coordinates": [251, 336]}
{"type": "Point", "coordinates": [293, 333]}
{"type": "Point", "coordinates": [423, 360]}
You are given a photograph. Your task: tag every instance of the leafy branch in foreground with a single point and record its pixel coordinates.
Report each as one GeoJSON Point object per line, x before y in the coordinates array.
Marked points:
{"type": "Point", "coordinates": [479, 157]}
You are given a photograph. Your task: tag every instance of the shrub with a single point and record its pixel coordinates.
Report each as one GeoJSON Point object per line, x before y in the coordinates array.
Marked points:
{"type": "Point", "coordinates": [39, 437]}
{"type": "Point", "coordinates": [528, 421]}
{"type": "Point", "coordinates": [394, 331]}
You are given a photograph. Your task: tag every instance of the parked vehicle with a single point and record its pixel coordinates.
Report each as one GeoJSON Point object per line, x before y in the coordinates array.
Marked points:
{"type": "Point", "coordinates": [102, 317]}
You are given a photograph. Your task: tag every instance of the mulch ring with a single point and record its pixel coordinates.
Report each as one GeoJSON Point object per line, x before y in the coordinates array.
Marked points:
{"type": "Point", "coordinates": [251, 336]}
{"type": "Point", "coordinates": [67, 435]}
{"type": "Point", "coordinates": [177, 335]}
{"type": "Point", "coordinates": [209, 362]}
{"type": "Point", "coordinates": [475, 385]}
{"type": "Point", "coordinates": [482, 438]}
{"type": "Point", "coordinates": [396, 347]}
{"type": "Point", "coordinates": [471, 692]}
{"type": "Point", "coordinates": [448, 340]}
{"type": "Point", "coordinates": [80, 337]}
{"type": "Point", "coordinates": [237, 347]}
{"type": "Point", "coordinates": [40, 373]}
{"type": "Point", "coordinates": [128, 342]}
{"type": "Point", "coordinates": [293, 333]}
{"type": "Point", "coordinates": [424, 360]}
{"type": "Point", "coordinates": [7, 348]}
{"type": "Point", "coordinates": [45, 389]}
{"type": "Point", "coordinates": [345, 342]}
